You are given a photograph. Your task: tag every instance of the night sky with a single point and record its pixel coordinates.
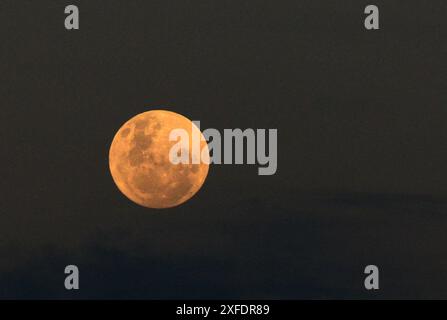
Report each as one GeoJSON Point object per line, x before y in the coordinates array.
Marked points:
{"type": "Point", "coordinates": [362, 162]}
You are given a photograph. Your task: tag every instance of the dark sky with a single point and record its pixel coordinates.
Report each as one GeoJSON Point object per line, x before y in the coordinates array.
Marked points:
{"type": "Point", "coordinates": [361, 118]}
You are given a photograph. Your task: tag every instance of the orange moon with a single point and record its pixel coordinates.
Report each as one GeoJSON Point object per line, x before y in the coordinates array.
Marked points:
{"type": "Point", "coordinates": [140, 165]}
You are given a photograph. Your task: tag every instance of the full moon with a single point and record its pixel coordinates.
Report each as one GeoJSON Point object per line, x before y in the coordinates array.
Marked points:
{"type": "Point", "coordinates": [140, 165]}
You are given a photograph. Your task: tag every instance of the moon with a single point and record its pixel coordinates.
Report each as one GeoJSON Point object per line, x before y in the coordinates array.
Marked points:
{"type": "Point", "coordinates": [140, 165]}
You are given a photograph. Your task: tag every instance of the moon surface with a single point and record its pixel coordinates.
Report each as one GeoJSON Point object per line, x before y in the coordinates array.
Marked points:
{"type": "Point", "coordinates": [140, 166]}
